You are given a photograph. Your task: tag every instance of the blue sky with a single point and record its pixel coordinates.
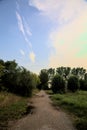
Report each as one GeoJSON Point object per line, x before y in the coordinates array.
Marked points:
{"type": "Point", "coordinates": [44, 33]}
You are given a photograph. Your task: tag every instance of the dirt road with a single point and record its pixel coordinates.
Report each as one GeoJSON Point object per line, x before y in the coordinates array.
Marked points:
{"type": "Point", "coordinates": [45, 117]}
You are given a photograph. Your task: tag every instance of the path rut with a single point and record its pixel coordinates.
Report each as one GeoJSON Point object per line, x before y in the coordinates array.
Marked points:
{"type": "Point", "coordinates": [45, 117]}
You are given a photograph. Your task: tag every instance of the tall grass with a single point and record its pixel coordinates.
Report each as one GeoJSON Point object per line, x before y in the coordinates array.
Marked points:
{"type": "Point", "coordinates": [11, 107]}
{"type": "Point", "coordinates": [76, 103]}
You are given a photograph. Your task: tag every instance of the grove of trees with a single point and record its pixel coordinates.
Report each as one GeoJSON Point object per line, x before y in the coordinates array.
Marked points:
{"type": "Point", "coordinates": [19, 80]}
{"type": "Point", "coordinates": [16, 79]}
{"type": "Point", "coordinates": [64, 79]}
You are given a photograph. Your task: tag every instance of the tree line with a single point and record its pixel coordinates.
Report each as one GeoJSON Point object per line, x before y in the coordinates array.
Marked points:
{"type": "Point", "coordinates": [63, 79]}
{"type": "Point", "coordinates": [17, 79]}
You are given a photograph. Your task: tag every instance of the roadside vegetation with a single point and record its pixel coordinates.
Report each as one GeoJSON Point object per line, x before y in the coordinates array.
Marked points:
{"type": "Point", "coordinates": [69, 91]}
{"type": "Point", "coordinates": [17, 79]}
{"type": "Point", "coordinates": [76, 104]}
{"type": "Point", "coordinates": [17, 85]}
{"type": "Point", "coordinates": [12, 107]}
{"type": "Point", "coordinates": [71, 79]}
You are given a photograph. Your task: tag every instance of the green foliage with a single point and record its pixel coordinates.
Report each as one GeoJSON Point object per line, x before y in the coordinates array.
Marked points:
{"type": "Point", "coordinates": [17, 79]}
{"type": "Point", "coordinates": [58, 84]}
{"type": "Point", "coordinates": [73, 83]}
{"type": "Point", "coordinates": [39, 86]}
{"type": "Point", "coordinates": [1, 70]}
{"type": "Point", "coordinates": [76, 103]}
{"type": "Point", "coordinates": [60, 71]}
{"type": "Point", "coordinates": [43, 78]}
{"type": "Point", "coordinates": [11, 107]}
{"type": "Point", "coordinates": [83, 84]}
{"type": "Point", "coordinates": [79, 72]}
{"type": "Point", "coordinates": [63, 71]}
{"type": "Point", "coordinates": [45, 87]}
{"type": "Point", "coordinates": [1, 74]}
{"type": "Point", "coordinates": [85, 76]}
{"type": "Point", "coordinates": [51, 72]}
{"type": "Point", "coordinates": [36, 80]}
{"type": "Point", "coordinates": [2, 67]}
{"type": "Point", "coordinates": [2, 62]}
{"type": "Point", "coordinates": [25, 83]}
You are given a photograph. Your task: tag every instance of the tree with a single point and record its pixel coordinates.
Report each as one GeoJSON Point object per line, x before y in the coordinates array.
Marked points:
{"type": "Point", "coordinates": [85, 76]}
{"type": "Point", "coordinates": [67, 72]}
{"type": "Point", "coordinates": [73, 83]}
{"type": "Point", "coordinates": [9, 77]}
{"type": "Point", "coordinates": [11, 66]}
{"type": "Point", "coordinates": [79, 72]}
{"type": "Point", "coordinates": [1, 70]}
{"type": "Point", "coordinates": [17, 79]}
{"type": "Point", "coordinates": [2, 67]}
{"type": "Point", "coordinates": [60, 71]}
{"type": "Point", "coordinates": [51, 72]}
{"type": "Point", "coordinates": [63, 71]}
{"type": "Point", "coordinates": [25, 84]}
{"type": "Point", "coordinates": [83, 84]}
{"type": "Point", "coordinates": [58, 84]}
{"type": "Point", "coordinates": [82, 72]}
{"type": "Point", "coordinates": [2, 62]}
{"type": "Point", "coordinates": [36, 80]}
{"type": "Point", "coordinates": [44, 78]}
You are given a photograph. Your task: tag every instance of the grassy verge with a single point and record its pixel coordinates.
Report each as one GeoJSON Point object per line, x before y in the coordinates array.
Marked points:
{"type": "Point", "coordinates": [75, 103]}
{"type": "Point", "coordinates": [12, 107]}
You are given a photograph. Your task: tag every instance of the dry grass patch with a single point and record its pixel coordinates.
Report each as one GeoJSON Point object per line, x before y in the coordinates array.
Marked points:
{"type": "Point", "coordinates": [12, 107]}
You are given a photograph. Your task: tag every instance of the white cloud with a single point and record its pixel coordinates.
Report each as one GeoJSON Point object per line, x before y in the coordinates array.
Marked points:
{"type": "Point", "coordinates": [24, 28]}
{"type": "Point", "coordinates": [69, 41]}
{"type": "Point", "coordinates": [70, 35]}
{"type": "Point", "coordinates": [32, 56]}
{"type": "Point", "coordinates": [59, 10]}
{"type": "Point", "coordinates": [20, 23]}
{"type": "Point", "coordinates": [22, 52]}
{"type": "Point", "coordinates": [27, 28]}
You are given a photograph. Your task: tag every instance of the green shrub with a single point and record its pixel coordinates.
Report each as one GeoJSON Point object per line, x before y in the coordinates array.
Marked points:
{"type": "Point", "coordinates": [58, 84]}
{"type": "Point", "coordinates": [45, 87]}
{"type": "Point", "coordinates": [81, 124]}
{"type": "Point", "coordinates": [73, 83]}
{"type": "Point", "coordinates": [44, 79]}
{"type": "Point", "coordinates": [85, 87]}
{"type": "Point", "coordinates": [83, 84]}
{"type": "Point", "coordinates": [39, 86]}
{"type": "Point", "coordinates": [76, 104]}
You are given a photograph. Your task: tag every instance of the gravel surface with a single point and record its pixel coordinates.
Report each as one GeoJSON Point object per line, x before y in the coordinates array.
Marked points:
{"type": "Point", "coordinates": [44, 117]}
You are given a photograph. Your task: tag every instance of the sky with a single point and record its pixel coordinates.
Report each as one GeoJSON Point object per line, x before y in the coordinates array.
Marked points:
{"type": "Point", "coordinates": [41, 34]}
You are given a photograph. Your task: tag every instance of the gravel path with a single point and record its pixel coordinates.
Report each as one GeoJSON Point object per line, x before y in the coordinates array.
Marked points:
{"type": "Point", "coordinates": [45, 117]}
